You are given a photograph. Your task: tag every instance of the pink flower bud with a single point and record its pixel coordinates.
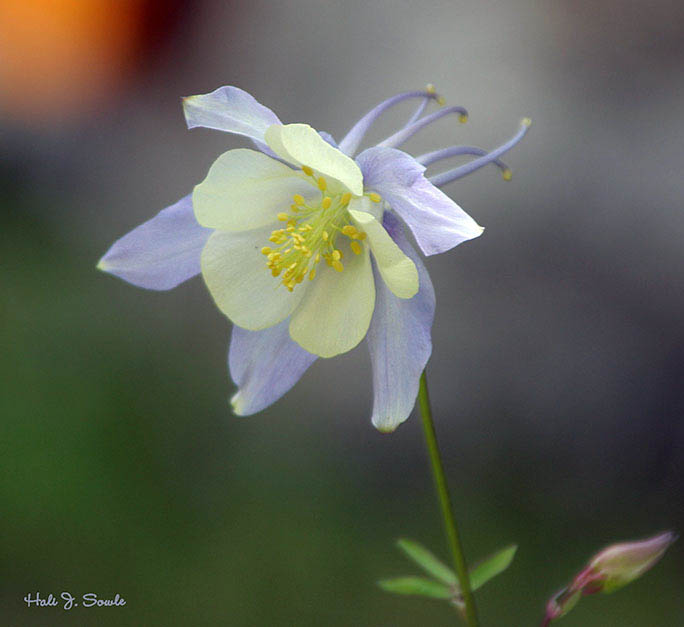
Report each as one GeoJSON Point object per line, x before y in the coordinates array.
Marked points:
{"type": "Point", "coordinates": [609, 570]}
{"type": "Point", "coordinates": [560, 604]}
{"type": "Point", "coordinates": [619, 564]}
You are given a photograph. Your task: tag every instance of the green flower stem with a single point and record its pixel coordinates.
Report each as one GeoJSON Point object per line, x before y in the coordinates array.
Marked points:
{"type": "Point", "coordinates": [450, 526]}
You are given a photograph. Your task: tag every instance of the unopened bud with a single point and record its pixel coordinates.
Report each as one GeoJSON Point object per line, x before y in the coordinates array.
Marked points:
{"type": "Point", "coordinates": [619, 564]}
{"type": "Point", "coordinates": [609, 570]}
{"type": "Point", "coordinates": [560, 604]}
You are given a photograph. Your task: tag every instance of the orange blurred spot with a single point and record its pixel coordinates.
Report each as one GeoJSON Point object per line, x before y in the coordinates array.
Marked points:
{"type": "Point", "coordinates": [63, 57]}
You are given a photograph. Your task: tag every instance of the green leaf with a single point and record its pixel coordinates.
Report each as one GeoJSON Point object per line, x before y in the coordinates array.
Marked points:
{"type": "Point", "coordinates": [416, 585]}
{"type": "Point", "coordinates": [491, 567]}
{"type": "Point", "coordinates": [427, 561]}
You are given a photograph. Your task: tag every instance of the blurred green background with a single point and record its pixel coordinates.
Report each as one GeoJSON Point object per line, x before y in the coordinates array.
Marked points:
{"type": "Point", "coordinates": [558, 370]}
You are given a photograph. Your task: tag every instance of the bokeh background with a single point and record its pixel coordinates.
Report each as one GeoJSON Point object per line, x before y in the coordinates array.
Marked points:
{"type": "Point", "coordinates": [558, 366]}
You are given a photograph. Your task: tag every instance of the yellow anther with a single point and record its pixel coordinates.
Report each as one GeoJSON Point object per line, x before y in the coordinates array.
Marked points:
{"type": "Point", "coordinates": [463, 118]}
{"type": "Point", "coordinates": [310, 233]}
{"type": "Point", "coordinates": [307, 170]}
{"type": "Point", "coordinates": [507, 175]}
{"type": "Point", "coordinates": [430, 88]}
{"type": "Point", "coordinates": [440, 101]}
{"type": "Point", "coordinates": [526, 122]}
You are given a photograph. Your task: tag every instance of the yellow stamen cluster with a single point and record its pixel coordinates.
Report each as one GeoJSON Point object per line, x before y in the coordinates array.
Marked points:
{"type": "Point", "coordinates": [310, 234]}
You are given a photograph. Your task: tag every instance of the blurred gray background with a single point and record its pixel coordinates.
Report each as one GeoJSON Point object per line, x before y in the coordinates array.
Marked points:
{"type": "Point", "coordinates": [558, 357]}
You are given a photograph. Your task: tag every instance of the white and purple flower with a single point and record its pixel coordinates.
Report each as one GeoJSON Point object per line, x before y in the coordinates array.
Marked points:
{"type": "Point", "coordinates": [302, 246]}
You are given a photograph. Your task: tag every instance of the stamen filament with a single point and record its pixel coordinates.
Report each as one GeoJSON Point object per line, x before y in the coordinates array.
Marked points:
{"type": "Point", "coordinates": [351, 141]}
{"type": "Point", "coordinates": [456, 173]}
{"type": "Point", "coordinates": [420, 109]}
{"type": "Point", "coordinates": [310, 235]}
{"type": "Point", "coordinates": [405, 133]}
{"type": "Point", "coordinates": [453, 151]}
{"type": "Point", "coordinates": [430, 88]}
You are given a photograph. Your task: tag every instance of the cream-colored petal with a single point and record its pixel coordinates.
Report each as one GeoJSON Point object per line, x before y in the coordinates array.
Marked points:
{"type": "Point", "coordinates": [363, 203]}
{"type": "Point", "coordinates": [397, 270]}
{"type": "Point", "coordinates": [242, 286]}
{"type": "Point", "coordinates": [246, 189]}
{"type": "Point", "coordinates": [336, 311]}
{"type": "Point", "coordinates": [300, 145]}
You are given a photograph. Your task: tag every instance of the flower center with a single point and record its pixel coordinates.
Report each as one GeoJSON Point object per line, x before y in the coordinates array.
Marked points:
{"type": "Point", "coordinates": [310, 234]}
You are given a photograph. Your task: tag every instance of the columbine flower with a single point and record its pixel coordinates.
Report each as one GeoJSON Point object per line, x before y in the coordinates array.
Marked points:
{"type": "Point", "coordinates": [302, 247]}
